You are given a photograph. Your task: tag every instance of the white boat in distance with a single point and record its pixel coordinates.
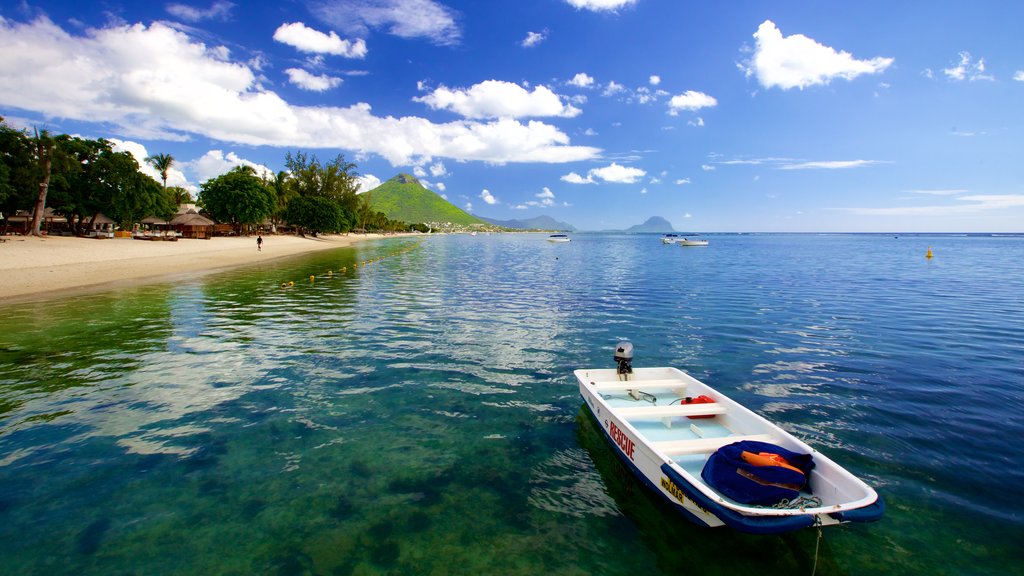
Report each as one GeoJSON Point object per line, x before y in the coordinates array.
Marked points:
{"type": "Point", "coordinates": [558, 238]}
{"type": "Point", "coordinates": [687, 242]}
{"type": "Point", "coordinates": [666, 425]}
{"type": "Point", "coordinates": [670, 238]}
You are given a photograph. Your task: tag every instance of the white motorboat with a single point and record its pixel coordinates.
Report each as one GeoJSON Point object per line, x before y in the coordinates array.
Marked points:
{"type": "Point", "coordinates": [685, 242]}
{"type": "Point", "coordinates": [670, 238]}
{"type": "Point", "coordinates": [715, 461]}
{"type": "Point", "coordinates": [559, 238]}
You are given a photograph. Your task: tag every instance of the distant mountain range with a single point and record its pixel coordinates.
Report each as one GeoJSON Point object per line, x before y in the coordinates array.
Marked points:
{"type": "Point", "coordinates": [537, 223]}
{"type": "Point", "coordinates": [404, 198]}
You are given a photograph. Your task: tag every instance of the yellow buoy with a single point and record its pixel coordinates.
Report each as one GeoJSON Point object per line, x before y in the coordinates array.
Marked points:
{"type": "Point", "coordinates": [311, 278]}
{"type": "Point", "coordinates": [330, 272]}
{"type": "Point", "coordinates": [291, 283]}
{"type": "Point", "coordinates": [928, 254]}
{"type": "Point", "coordinates": [284, 284]}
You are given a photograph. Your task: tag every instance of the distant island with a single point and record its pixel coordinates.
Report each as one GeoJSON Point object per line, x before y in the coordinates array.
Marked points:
{"type": "Point", "coordinates": [536, 223]}
{"type": "Point", "coordinates": [653, 224]}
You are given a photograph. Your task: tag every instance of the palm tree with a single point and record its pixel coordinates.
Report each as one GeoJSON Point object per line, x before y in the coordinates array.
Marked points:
{"type": "Point", "coordinates": [44, 155]}
{"type": "Point", "coordinates": [162, 163]}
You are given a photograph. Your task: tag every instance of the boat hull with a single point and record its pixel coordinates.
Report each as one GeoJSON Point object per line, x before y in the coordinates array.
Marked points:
{"type": "Point", "coordinates": [691, 243]}
{"type": "Point", "coordinates": [677, 478]}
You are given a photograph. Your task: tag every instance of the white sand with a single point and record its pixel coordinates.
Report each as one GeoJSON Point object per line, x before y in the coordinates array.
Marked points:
{"type": "Point", "coordinates": [32, 267]}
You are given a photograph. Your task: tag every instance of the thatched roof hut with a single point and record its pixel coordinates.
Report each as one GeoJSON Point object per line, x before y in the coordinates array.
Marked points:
{"type": "Point", "coordinates": [192, 225]}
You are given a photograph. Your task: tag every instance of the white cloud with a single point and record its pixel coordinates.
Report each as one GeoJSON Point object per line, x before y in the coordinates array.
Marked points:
{"type": "Point", "coordinates": [829, 164]}
{"type": "Point", "coordinates": [683, 181]}
{"type": "Point", "coordinates": [313, 83]}
{"type": "Point", "coordinates": [699, 122]}
{"type": "Point", "coordinates": [469, 207]}
{"type": "Point", "coordinates": [613, 88]}
{"type": "Point", "coordinates": [949, 192]}
{"type": "Point", "coordinates": [175, 177]}
{"type": "Point", "coordinates": [582, 80]}
{"type": "Point", "coordinates": [215, 162]}
{"type": "Point", "coordinates": [367, 182]}
{"type": "Point", "coordinates": [419, 172]}
{"type": "Point", "coordinates": [534, 38]}
{"type": "Point", "coordinates": [799, 62]}
{"type": "Point", "coordinates": [643, 190]}
{"type": "Point", "coordinates": [690, 100]}
{"type": "Point", "coordinates": [590, 132]}
{"type": "Point", "coordinates": [155, 82]}
{"type": "Point", "coordinates": [654, 79]}
{"type": "Point", "coordinates": [546, 200]}
{"type": "Point", "coordinates": [487, 197]}
{"type": "Point", "coordinates": [613, 173]}
{"type": "Point", "coordinates": [1019, 75]}
{"type": "Point", "coordinates": [645, 95]}
{"type": "Point", "coordinates": [707, 167]}
{"type": "Point", "coordinates": [499, 99]}
{"type": "Point", "coordinates": [967, 70]}
{"type": "Point", "coordinates": [304, 39]}
{"type": "Point", "coordinates": [402, 18]}
{"type": "Point", "coordinates": [219, 10]}
{"type": "Point", "coordinates": [438, 170]}
{"type": "Point", "coordinates": [574, 178]}
{"type": "Point", "coordinates": [600, 5]}
{"type": "Point", "coordinates": [442, 188]}
{"type": "Point", "coordinates": [974, 204]}
{"type": "Point", "coordinates": [687, 215]}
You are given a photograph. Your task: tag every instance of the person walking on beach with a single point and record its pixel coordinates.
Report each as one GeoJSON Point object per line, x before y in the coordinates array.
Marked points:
{"type": "Point", "coordinates": [259, 243]}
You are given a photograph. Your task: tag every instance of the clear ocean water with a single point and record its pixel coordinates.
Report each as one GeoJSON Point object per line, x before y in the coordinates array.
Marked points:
{"type": "Point", "coordinates": [417, 413]}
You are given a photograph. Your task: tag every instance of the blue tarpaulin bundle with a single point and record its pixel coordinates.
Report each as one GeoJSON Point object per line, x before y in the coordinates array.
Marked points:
{"type": "Point", "coordinates": [730, 471]}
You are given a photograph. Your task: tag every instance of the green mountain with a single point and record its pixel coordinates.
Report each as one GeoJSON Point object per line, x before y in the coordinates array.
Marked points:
{"type": "Point", "coordinates": [404, 198]}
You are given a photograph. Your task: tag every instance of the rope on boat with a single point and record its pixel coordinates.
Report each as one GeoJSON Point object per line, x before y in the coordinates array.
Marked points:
{"type": "Point", "coordinates": [800, 502]}
{"type": "Point", "coordinates": [817, 544]}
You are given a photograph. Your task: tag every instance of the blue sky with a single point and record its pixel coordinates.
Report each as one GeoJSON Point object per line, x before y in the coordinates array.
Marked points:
{"type": "Point", "coordinates": [718, 116]}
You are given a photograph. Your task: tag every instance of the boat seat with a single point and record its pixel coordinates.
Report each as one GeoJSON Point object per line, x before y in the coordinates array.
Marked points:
{"type": "Point", "coordinates": [702, 445]}
{"type": "Point", "coordinates": [652, 411]}
{"type": "Point", "coordinates": [636, 384]}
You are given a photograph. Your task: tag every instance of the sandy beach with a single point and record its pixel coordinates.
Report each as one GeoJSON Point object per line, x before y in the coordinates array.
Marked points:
{"type": "Point", "coordinates": [33, 268]}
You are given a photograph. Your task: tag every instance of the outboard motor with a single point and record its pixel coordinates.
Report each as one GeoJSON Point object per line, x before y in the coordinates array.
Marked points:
{"type": "Point", "coordinates": [624, 359]}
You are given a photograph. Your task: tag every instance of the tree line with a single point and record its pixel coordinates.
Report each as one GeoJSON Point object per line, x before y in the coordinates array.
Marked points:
{"type": "Point", "coordinates": [81, 178]}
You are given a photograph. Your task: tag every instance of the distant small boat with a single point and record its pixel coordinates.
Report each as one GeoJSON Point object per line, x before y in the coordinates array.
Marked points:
{"type": "Point", "coordinates": [670, 238]}
{"type": "Point", "coordinates": [715, 461]}
{"type": "Point", "coordinates": [559, 238]}
{"type": "Point", "coordinates": [687, 242]}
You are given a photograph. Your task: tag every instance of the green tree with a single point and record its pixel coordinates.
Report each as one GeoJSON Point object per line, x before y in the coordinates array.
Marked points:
{"type": "Point", "coordinates": [335, 181]}
{"type": "Point", "coordinates": [179, 195]}
{"type": "Point", "coordinates": [285, 193]}
{"type": "Point", "coordinates": [17, 170]}
{"type": "Point", "coordinates": [238, 197]}
{"type": "Point", "coordinates": [131, 195]}
{"type": "Point", "coordinates": [162, 163]}
{"type": "Point", "coordinates": [316, 215]}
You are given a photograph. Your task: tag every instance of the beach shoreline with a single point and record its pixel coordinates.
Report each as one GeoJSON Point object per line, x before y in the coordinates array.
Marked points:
{"type": "Point", "coordinates": [38, 268]}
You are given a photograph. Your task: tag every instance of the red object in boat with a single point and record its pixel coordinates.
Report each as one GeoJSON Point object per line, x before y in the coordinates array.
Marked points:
{"type": "Point", "coordinates": [702, 399]}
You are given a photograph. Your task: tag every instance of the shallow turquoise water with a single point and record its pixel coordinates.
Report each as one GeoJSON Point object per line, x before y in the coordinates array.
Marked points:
{"type": "Point", "coordinates": [418, 414]}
